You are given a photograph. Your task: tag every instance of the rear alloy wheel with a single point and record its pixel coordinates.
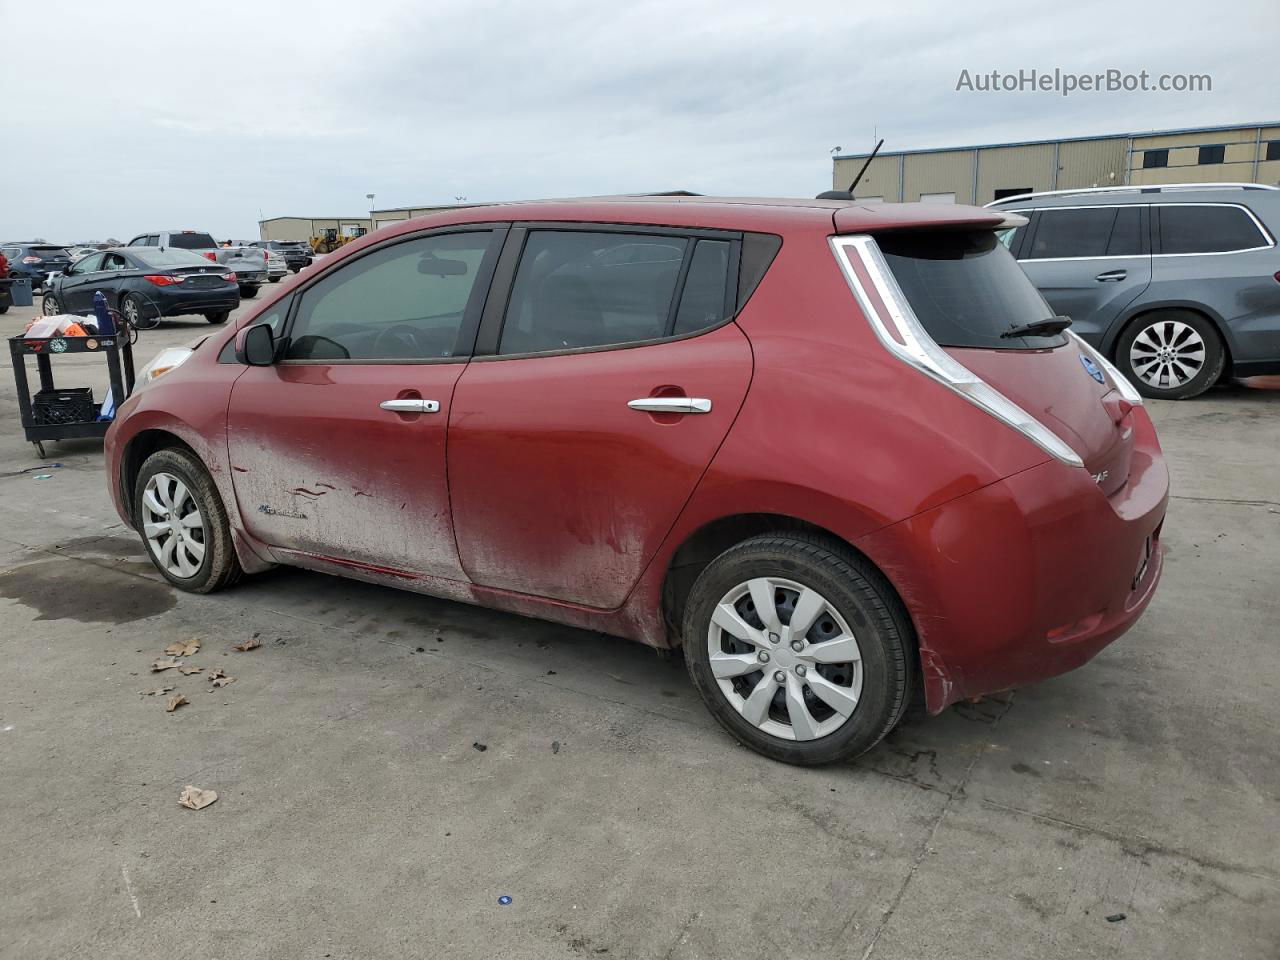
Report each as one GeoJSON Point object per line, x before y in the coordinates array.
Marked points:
{"type": "Point", "coordinates": [1171, 355]}
{"type": "Point", "coordinates": [183, 524]}
{"type": "Point", "coordinates": [49, 305]}
{"type": "Point", "coordinates": [798, 648]}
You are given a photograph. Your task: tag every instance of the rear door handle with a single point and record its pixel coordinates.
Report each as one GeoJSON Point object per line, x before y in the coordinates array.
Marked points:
{"type": "Point", "coordinates": [1111, 276]}
{"type": "Point", "coordinates": [671, 404]}
{"type": "Point", "coordinates": [411, 406]}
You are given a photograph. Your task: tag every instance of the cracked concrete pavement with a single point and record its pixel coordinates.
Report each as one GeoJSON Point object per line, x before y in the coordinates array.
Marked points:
{"type": "Point", "coordinates": [356, 819]}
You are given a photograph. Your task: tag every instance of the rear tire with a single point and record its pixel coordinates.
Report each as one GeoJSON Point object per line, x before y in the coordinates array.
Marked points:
{"type": "Point", "coordinates": [1171, 354]}
{"type": "Point", "coordinates": [274, 279]}
{"type": "Point", "coordinates": [248, 290]}
{"type": "Point", "coordinates": [135, 313]}
{"type": "Point", "coordinates": [810, 717]}
{"type": "Point", "coordinates": [175, 470]}
{"type": "Point", "coordinates": [219, 317]}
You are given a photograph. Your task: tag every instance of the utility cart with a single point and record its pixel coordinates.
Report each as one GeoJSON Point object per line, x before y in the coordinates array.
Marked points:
{"type": "Point", "coordinates": [65, 413]}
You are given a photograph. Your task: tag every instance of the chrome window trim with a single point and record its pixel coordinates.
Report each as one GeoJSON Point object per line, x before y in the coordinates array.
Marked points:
{"type": "Point", "coordinates": [1262, 230]}
{"type": "Point", "coordinates": [917, 349]}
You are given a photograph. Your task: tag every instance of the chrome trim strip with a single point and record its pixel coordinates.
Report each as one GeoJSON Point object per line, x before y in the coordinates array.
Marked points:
{"type": "Point", "coordinates": [1136, 188]}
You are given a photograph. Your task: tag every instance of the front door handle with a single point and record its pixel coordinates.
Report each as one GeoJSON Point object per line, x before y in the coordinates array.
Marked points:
{"type": "Point", "coordinates": [671, 404]}
{"type": "Point", "coordinates": [411, 406]}
{"type": "Point", "coordinates": [1111, 276]}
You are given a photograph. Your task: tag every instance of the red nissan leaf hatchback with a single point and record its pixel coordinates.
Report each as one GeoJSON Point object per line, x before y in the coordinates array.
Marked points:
{"type": "Point", "coordinates": [840, 454]}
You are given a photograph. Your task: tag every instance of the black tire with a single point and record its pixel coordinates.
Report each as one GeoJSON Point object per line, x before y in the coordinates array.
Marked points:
{"type": "Point", "coordinates": [136, 314]}
{"type": "Point", "coordinates": [220, 567]}
{"type": "Point", "coordinates": [49, 305]}
{"type": "Point", "coordinates": [219, 317]}
{"type": "Point", "coordinates": [274, 279]}
{"type": "Point", "coordinates": [1209, 372]}
{"type": "Point", "coordinates": [862, 597]}
{"type": "Point", "coordinates": [4, 308]}
{"type": "Point", "coordinates": [248, 290]}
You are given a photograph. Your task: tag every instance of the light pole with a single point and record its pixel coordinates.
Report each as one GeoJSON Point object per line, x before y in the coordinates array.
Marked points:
{"type": "Point", "coordinates": [369, 197]}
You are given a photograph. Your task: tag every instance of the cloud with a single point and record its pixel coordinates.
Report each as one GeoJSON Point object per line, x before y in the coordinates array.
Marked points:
{"type": "Point", "coordinates": [163, 115]}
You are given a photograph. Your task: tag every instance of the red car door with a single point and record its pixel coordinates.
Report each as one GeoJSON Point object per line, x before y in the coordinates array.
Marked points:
{"type": "Point", "coordinates": [338, 449]}
{"type": "Point", "coordinates": [574, 446]}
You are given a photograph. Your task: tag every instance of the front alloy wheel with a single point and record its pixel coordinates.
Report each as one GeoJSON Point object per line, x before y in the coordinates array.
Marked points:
{"type": "Point", "coordinates": [49, 305]}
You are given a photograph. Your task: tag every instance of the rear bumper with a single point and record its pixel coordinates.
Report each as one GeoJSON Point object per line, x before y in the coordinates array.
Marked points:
{"type": "Point", "coordinates": [171, 302]}
{"type": "Point", "coordinates": [1029, 577]}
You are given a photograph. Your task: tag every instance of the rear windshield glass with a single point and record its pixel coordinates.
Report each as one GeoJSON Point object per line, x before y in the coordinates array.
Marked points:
{"type": "Point", "coordinates": [191, 241]}
{"type": "Point", "coordinates": [48, 253]}
{"type": "Point", "coordinates": [966, 288]}
{"type": "Point", "coordinates": [154, 257]}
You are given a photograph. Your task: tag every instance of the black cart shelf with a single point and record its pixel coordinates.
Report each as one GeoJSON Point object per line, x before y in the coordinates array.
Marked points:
{"type": "Point", "coordinates": [67, 414]}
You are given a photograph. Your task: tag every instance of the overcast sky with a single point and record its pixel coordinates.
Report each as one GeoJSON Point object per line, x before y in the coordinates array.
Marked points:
{"type": "Point", "coordinates": [121, 117]}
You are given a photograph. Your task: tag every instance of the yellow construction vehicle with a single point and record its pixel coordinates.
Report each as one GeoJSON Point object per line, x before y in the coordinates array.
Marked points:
{"type": "Point", "coordinates": [330, 240]}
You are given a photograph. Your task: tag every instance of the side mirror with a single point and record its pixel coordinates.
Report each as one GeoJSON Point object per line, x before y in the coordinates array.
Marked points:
{"type": "Point", "coordinates": [255, 346]}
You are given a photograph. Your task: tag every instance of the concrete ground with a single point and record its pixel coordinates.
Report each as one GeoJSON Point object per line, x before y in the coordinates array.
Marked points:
{"type": "Point", "coordinates": [358, 818]}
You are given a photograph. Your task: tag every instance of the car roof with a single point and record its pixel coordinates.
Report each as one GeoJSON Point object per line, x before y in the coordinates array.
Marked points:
{"type": "Point", "coordinates": [751, 214]}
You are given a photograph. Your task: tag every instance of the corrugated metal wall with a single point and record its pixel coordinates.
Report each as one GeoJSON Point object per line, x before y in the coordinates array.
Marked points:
{"type": "Point", "coordinates": [1103, 162]}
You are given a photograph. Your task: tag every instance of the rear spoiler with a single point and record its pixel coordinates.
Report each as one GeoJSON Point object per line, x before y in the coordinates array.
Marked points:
{"type": "Point", "coordinates": [882, 217]}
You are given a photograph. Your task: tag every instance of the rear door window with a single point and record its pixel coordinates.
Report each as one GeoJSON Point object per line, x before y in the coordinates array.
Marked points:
{"type": "Point", "coordinates": [965, 288]}
{"type": "Point", "coordinates": [578, 289]}
{"type": "Point", "coordinates": [1074, 232]}
{"type": "Point", "coordinates": [1127, 233]}
{"type": "Point", "coordinates": [705, 299]}
{"type": "Point", "coordinates": [1195, 228]}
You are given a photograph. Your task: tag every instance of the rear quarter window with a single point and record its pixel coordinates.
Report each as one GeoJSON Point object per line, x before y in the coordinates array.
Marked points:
{"type": "Point", "coordinates": [1190, 228]}
{"type": "Point", "coordinates": [965, 288]}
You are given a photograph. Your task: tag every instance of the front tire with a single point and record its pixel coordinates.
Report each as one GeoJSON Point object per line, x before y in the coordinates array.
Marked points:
{"type": "Point", "coordinates": [816, 693]}
{"type": "Point", "coordinates": [183, 525]}
{"type": "Point", "coordinates": [219, 317]}
{"type": "Point", "coordinates": [49, 305]}
{"type": "Point", "coordinates": [1171, 355]}
{"type": "Point", "coordinates": [248, 290]}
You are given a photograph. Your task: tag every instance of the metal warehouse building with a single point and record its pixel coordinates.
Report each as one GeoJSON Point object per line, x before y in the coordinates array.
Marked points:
{"type": "Point", "coordinates": [980, 174]}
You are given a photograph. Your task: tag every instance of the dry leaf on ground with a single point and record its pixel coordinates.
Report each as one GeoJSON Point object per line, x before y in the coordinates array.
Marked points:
{"type": "Point", "coordinates": [164, 663]}
{"type": "Point", "coordinates": [221, 681]}
{"type": "Point", "coordinates": [193, 798]}
{"type": "Point", "coordinates": [251, 644]}
{"type": "Point", "coordinates": [183, 648]}
{"type": "Point", "coordinates": [188, 671]}
{"type": "Point", "coordinates": [158, 692]}
{"type": "Point", "coordinates": [217, 672]}
{"type": "Point", "coordinates": [175, 702]}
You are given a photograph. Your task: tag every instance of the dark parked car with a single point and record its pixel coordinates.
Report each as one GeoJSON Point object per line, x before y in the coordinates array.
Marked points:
{"type": "Point", "coordinates": [1180, 283]}
{"type": "Point", "coordinates": [145, 284]}
{"type": "Point", "coordinates": [297, 254]}
{"type": "Point", "coordinates": [35, 261]}
{"type": "Point", "coordinates": [841, 453]}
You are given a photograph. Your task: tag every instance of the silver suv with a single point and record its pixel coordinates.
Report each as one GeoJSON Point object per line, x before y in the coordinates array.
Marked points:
{"type": "Point", "coordinates": [1179, 283]}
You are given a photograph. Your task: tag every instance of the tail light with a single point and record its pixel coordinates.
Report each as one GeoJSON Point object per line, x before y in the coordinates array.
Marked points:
{"type": "Point", "coordinates": [229, 277]}
{"type": "Point", "coordinates": [160, 280]}
{"type": "Point", "coordinates": [211, 256]}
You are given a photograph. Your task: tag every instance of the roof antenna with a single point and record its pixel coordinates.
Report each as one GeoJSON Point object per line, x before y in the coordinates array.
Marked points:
{"type": "Point", "coordinates": [848, 194]}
